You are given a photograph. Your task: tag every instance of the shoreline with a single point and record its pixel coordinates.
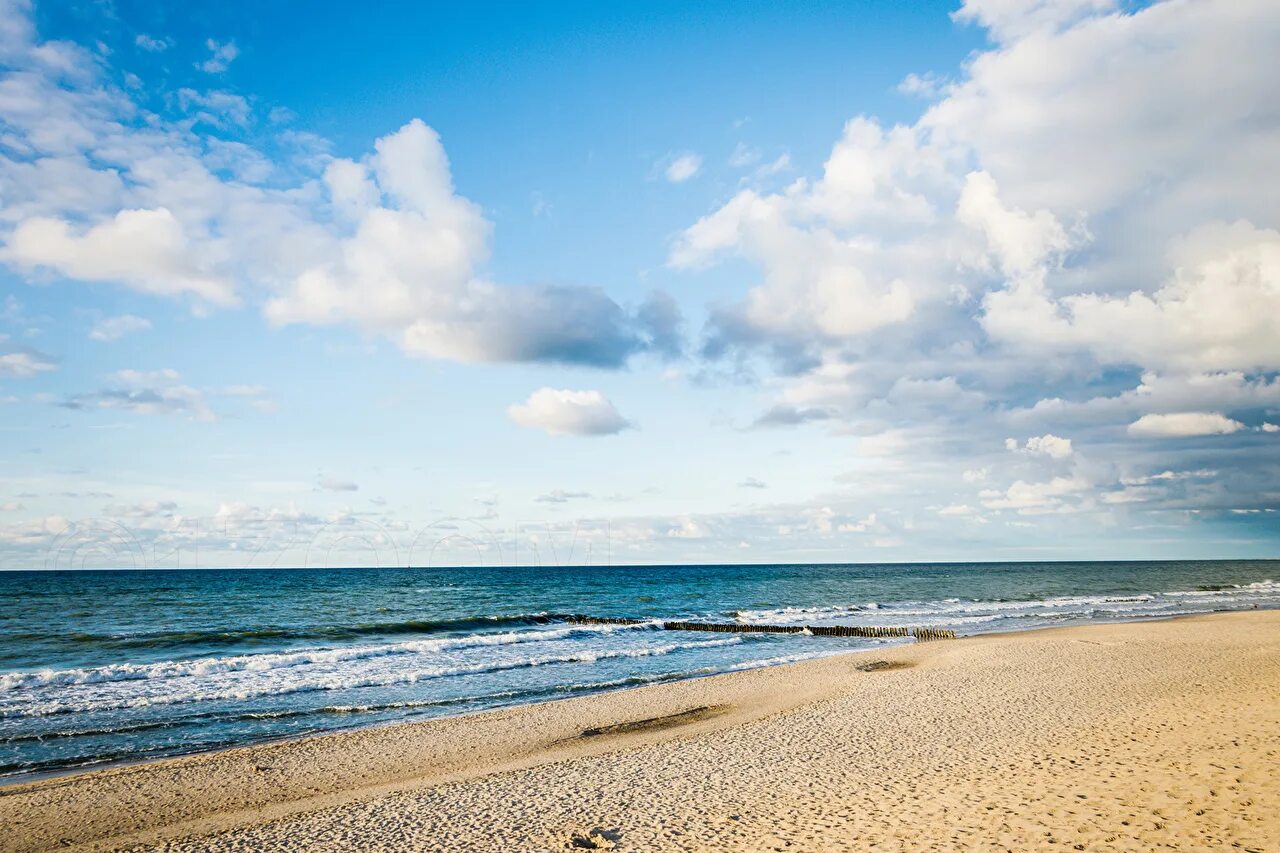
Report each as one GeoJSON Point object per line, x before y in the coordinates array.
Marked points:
{"type": "Point", "coordinates": [22, 779]}
{"type": "Point", "coordinates": [19, 780]}
{"type": "Point", "coordinates": [248, 787]}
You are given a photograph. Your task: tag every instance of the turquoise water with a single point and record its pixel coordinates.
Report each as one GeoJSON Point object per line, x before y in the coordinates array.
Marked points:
{"type": "Point", "coordinates": [107, 666]}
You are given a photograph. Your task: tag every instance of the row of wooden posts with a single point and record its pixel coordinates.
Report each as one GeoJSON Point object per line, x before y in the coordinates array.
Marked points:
{"type": "Point", "coordinates": [921, 634]}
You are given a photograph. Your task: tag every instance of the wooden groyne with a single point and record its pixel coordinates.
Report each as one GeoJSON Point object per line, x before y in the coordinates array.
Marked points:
{"type": "Point", "coordinates": [920, 634]}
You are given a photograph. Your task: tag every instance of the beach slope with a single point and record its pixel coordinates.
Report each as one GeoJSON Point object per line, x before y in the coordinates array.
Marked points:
{"type": "Point", "coordinates": [1102, 737]}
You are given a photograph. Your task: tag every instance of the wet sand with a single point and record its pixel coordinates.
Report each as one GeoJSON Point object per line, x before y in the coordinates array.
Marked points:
{"type": "Point", "coordinates": [1118, 737]}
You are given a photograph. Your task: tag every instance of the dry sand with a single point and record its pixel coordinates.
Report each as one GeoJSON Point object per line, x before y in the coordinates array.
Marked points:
{"type": "Point", "coordinates": [1124, 737]}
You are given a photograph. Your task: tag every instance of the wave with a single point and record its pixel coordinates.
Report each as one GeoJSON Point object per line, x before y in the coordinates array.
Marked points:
{"type": "Point", "coordinates": [220, 637]}
{"type": "Point", "coordinates": [344, 681]}
{"type": "Point", "coordinates": [960, 611]}
{"type": "Point", "coordinates": [59, 734]}
{"type": "Point", "coordinates": [284, 660]}
{"type": "Point", "coordinates": [1264, 586]}
{"type": "Point", "coordinates": [793, 614]}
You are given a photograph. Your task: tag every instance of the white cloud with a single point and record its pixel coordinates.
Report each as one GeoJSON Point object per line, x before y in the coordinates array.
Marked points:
{"type": "Point", "coordinates": [19, 362]}
{"type": "Point", "coordinates": [98, 188]}
{"type": "Point", "coordinates": [151, 44]}
{"type": "Point", "coordinates": [1219, 311]}
{"type": "Point", "coordinates": [111, 329]}
{"type": "Point", "coordinates": [689, 528]}
{"type": "Point", "coordinates": [221, 55]}
{"type": "Point", "coordinates": [564, 412]}
{"type": "Point", "coordinates": [409, 269]}
{"type": "Point", "coordinates": [1162, 394]}
{"type": "Point", "coordinates": [1075, 215]}
{"type": "Point", "coordinates": [821, 281]}
{"type": "Point", "coordinates": [1203, 473]}
{"type": "Point", "coordinates": [683, 167]}
{"type": "Point", "coordinates": [1013, 19]}
{"type": "Point", "coordinates": [753, 483]}
{"type": "Point", "coordinates": [923, 85]}
{"type": "Point", "coordinates": [1020, 242]}
{"type": "Point", "coordinates": [145, 249]}
{"type": "Point", "coordinates": [1045, 445]}
{"type": "Point", "coordinates": [216, 108]}
{"type": "Point", "coordinates": [1183, 425]}
{"type": "Point", "coordinates": [863, 525]}
{"type": "Point", "coordinates": [901, 231]}
{"type": "Point", "coordinates": [1035, 498]}
{"type": "Point", "coordinates": [331, 485]}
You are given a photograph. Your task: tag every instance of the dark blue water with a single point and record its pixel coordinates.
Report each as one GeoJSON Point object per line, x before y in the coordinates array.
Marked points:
{"type": "Point", "coordinates": [108, 666]}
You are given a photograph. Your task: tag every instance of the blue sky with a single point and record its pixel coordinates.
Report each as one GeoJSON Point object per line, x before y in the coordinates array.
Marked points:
{"type": "Point", "coordinates": [578, 281]}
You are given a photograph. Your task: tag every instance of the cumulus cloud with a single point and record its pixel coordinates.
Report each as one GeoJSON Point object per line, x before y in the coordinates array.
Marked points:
{"type": "Point", "coordinates": [1219, 311]}
{"type": "Point", "coordinates": [145, 249]}
{"type": "Point", "coordinates": [111, 329]}
{"type": "Point", "coordinates": [1009, 20]}
{"type": "Point", "coordinates": [565, 412]}
{"type": "Point", "coordinates": [1184, 425]}
{"type": "Point", "coordinates": [1071, 235]}
{"type": "Point", "coordinates": [1036, 498]}
{"type": "Point", "coordinates": [199, 207]}
{"type": "Point", "coordinates": [409, 269]}
{"type": "Point", "coordinates": [900, 232]}
{"type": "Point", "coordinates": [815, 284]}
{"type": "Point", "coordinates": [1045, 445]}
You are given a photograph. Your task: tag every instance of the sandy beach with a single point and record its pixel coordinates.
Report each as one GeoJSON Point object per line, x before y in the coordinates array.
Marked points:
{"type": "Point", "coordinates": [1119, 737]}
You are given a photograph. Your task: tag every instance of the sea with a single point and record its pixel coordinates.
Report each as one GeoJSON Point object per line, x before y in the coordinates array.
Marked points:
{"type": "Point", "coordinates": [101, 667]}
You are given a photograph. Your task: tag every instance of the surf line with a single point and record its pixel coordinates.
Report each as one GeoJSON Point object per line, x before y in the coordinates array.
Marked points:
{"type": "Point", "coordinates": [919, 634]}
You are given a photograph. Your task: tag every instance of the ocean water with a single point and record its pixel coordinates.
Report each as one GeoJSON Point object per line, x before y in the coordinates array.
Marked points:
{"type": "Point", "coordinates": [100, 667]}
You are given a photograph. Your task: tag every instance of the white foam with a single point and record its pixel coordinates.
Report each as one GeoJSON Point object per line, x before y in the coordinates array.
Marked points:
{"type": "Point", "coordinates": [285, 660]}
{"type": "Point", "coordinates": [257, 684]}
{"type": "Point", "coordinates": [956, 612]}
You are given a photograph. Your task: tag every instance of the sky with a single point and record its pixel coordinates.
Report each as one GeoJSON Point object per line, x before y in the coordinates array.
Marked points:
{"type": "Point", "coordinates": [571, 282]}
